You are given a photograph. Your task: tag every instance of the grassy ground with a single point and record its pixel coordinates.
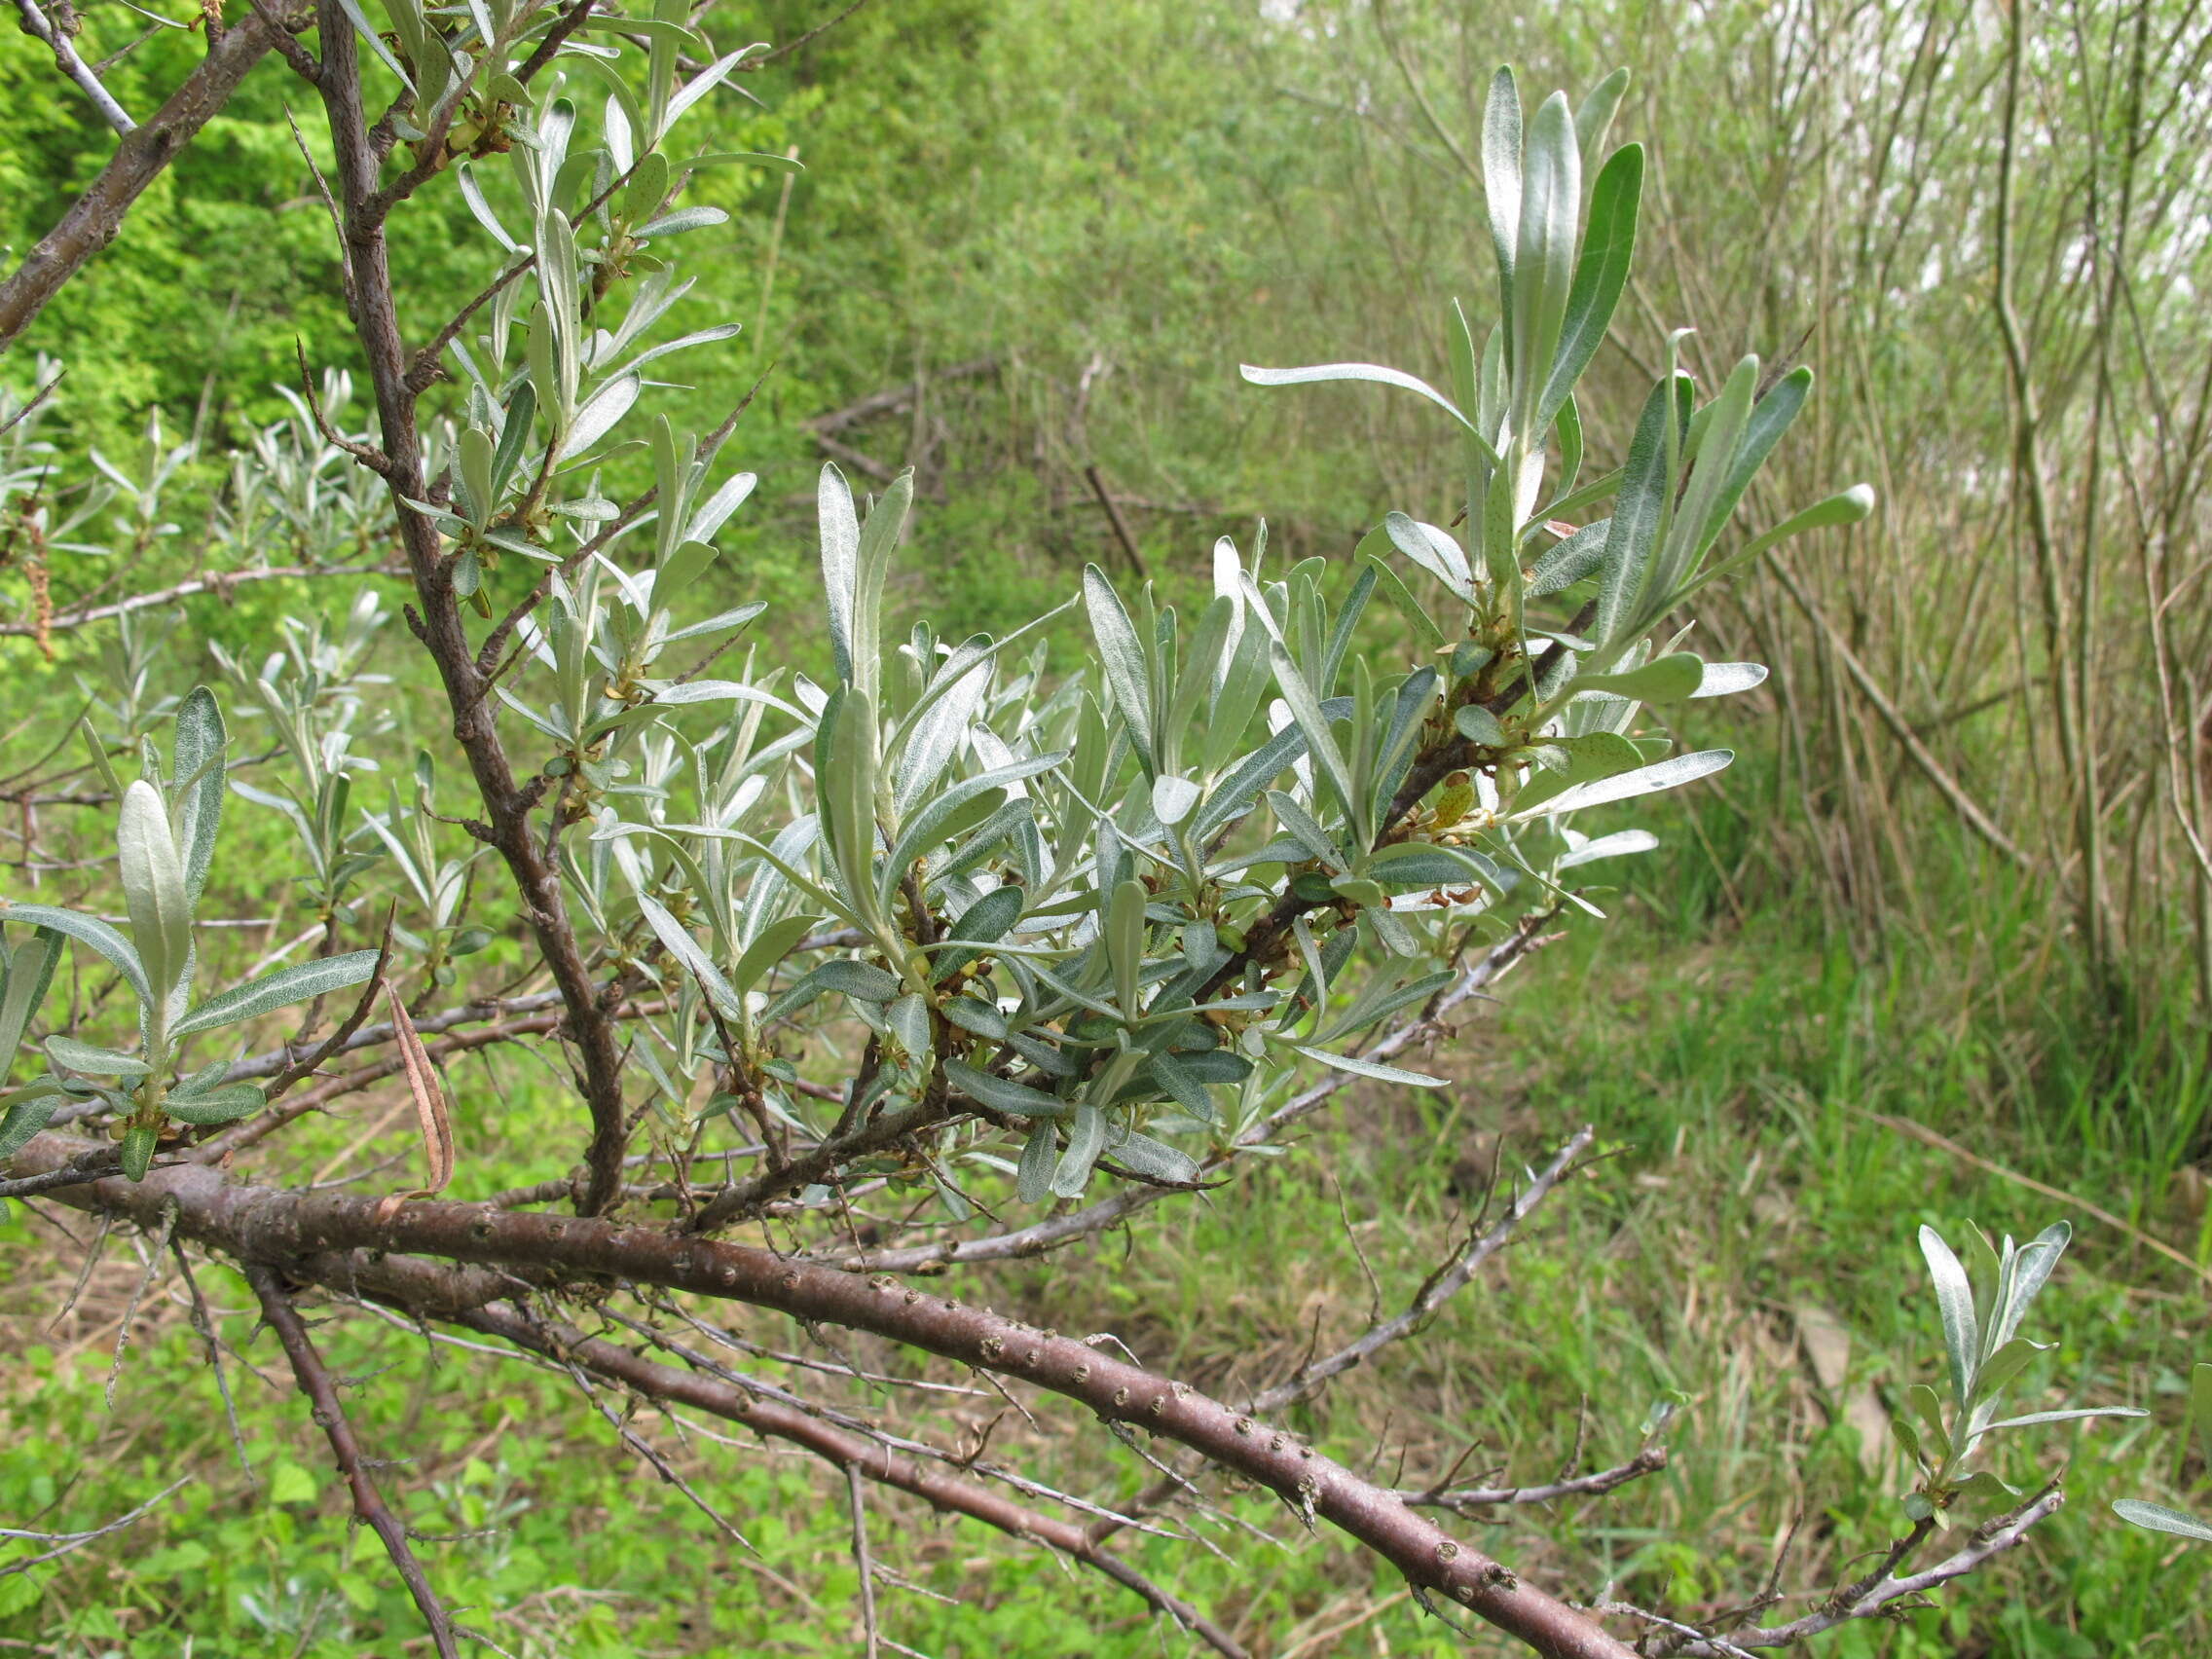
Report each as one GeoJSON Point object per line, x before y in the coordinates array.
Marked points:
{"type": "Point", "coordinates": [1756, 1210]}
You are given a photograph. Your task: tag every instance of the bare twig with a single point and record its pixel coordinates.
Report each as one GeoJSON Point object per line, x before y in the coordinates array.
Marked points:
{"type": "Point", "coordinates": [65, 1542]}
{"type": "Point", "coordinates": [321, 1390]}
{"type": "Point", "coordinates": [37, 24]}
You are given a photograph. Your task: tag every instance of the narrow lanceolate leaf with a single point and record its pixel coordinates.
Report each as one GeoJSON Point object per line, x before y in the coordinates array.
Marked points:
{"type": "Point", "coordinates": [91, 1060]}
{"type": "Point", "coordinates": [846, 784]}
{"type": "Point", "coordinates": [1128, 671]}
{"type": "Point", "coordinates": [2160, 1519]}
{"type": "Point", "coordinates": [152, 888]}
{"type": "Point", "coordinates": [25, 974]}
{"type": "Point", "coordinates": [880, 536]}
{"type": "Point", "coordinates": [429, 1099]}
{"type": "Point", "coordinates": [1609, 248]}
{"type": "Point", "coordinates": [1644, 780]}
{"type": "Point", "coordinates": [1502, 175]}
{"type": "Point", "coordinates": [279, 989]}
{"type": "Point", "coordinates": [1954, 1300]}
{"type": "Point", "coordinates": [1155, 1159]}
{"type": "Point", "coordinates": [85, 929]}
{"type": "Point", "coordinates": [840, 563]}
{"type": "Point", "coordinates": [773, 943]}
{"type": "Point", "coordinates": [25, 1111]}
{"type": "Point", "coordinates": [1087, 1139]}
{"type": "Point", "coordinates": [1033, 1182]}
{"type": "Point", "coordinates": [1375, 1069]}
{"type": "Point", "coordinates": [1305, 708]}
{"type": "Point", "coordinates": [1374, 371]}
{"type": "Point", "coordinates": [685, 949]}
{"type": "Point", "coordinates": [1124, 943]}
{"type": "Point", "coordinates": [224, 1105]}
{"type": "Point", "coordinates": [202, 761]}
{"type": "Point", "coordinates": [1639, 509]}
{"type": "Point", "coordinates": [1543, 272]}
{"type": "Point", "coordinates": [998, 1092]}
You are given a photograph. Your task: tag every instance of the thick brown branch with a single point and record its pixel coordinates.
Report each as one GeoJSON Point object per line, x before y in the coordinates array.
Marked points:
{"type": "Point", "coordinates": [94, 217]}
{"type": "Point", "coordinates": [267, 1225]}
{"type": "Point", "coordinates": [589, 1026]}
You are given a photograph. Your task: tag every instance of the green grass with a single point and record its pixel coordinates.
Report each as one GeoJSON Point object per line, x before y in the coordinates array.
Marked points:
{"type": "Point", "coordinates": [1734, 1069]}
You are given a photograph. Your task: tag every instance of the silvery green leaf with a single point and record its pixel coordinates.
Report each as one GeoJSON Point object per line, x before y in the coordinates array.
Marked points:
{"type": "Point", "coordinates": [880, 535]}
{"type": "Point", "coordinates": [279, 989]}
{"type": "Point", "coordinates": [93, 1061]}
{"type": "Point", "coordinates": [2160, 1519]}
{"type": "Point", "coordinates": [840, 563]}
{"type": "Point", "coordinates": [985, 922]}
{"type": "Point", "coordinates": [1502, 175]}
{"type": "Point", "coordinates": [224, 1105]}
{"type": "Point", "coordinates": [1128, 670]}
{"type": "Point", "coordinates": [863, 982]}
{"type": "Point", "coordinates": [1477, 724]}
{"type": "Point", "coordinates": [1087, 1139]}
{"type": "Point", "coordinates": [1434, 550]}
{"type": "Point", "coordinates": [1846, 507]}
{"type": "Point", "coordinates": [1183, 1084]}
{"type": "Point", "coordinates": [1233, 796]}
{"type": "Point", "coordinates": [202, 749]}
{"type": "Point", "coordinates": [152, 888]}
{"type": "Point", "coordinates": [1419, 864]}
{"type": "Point", "coordinates": [908, 1020]}
{"type": "Point", "coordinates": [30, 1109]}
{"type": "Point", "coordinates": [977, 1017]}
{"type": "Point", "coordinates": [680, 944]}
{"type": "Point", "coordinates": [1727, 679]}
{"type": "Point", "coordinates": [1124, 943]}
{"type": "Point", "coordinates": [1373, 372]}
{"type": "Point", "coordinates": [599, 415]}
{"type": "Point", "coordinates": [1772, 417]}
{"type": "Point", "coordinates": [1609, 245]}
{"type": "Point", "coordinates": [1613, 846]}
{"type": "Point", "coordinates": [2002, 1367]}
{"type": "Point", "coordinates": [1593, 115]}
{"type": "Point", "coordinates": [1639, 513]}
{"type": "Point", "coordinates": [844, 778]}
{"type": "Point", "coordinates": [1571, 561]}
{"type": "Point", "coordinates": [2031, 1272]}
{"type": "Point", "coordinates": [87, 930]}
{"type": "Point", "coordinates": [1670, 678]}
{"type": "Point", "coordinates": [770, 947]}
{"type": "Point", "coordinates": [1376, 1069]}
{"type": "Point", "coordinates": [1306, 831]}
{"type": "Point", "coordinates": [1666, 774]}
{"type": "Point", "coordinates": [1543, 267]}
{"type": "Point", "coordinates": [939, 819]}
{"type": "Point", "coordinates": [683, 219]}
{"type": "Point", "coordinates": [1004, 1097]}
{"type": "Point", "coordinates": [1954, 1300]}
{"type": "Point", "coordinates": [1142, 1155]}
{"type": "Point", "coordinates": [25, 974]}
{"type": "Point", "coordinates": [1033, 1181]}
{"type": "Point", "coordinates": [1172, 799]}
{"type": "Point", "coordinates": [1305, 708]}
{"type": "Point", "coordinates": [2078, 1415]}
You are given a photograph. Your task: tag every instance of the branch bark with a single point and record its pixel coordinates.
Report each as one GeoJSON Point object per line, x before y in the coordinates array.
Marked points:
{"type": "Point", "coordinates": [321, 1390]}
{"type": "Point", "coordinates": [94, 217]}
{"type": "Point", "coordinates": [265, 1225]}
